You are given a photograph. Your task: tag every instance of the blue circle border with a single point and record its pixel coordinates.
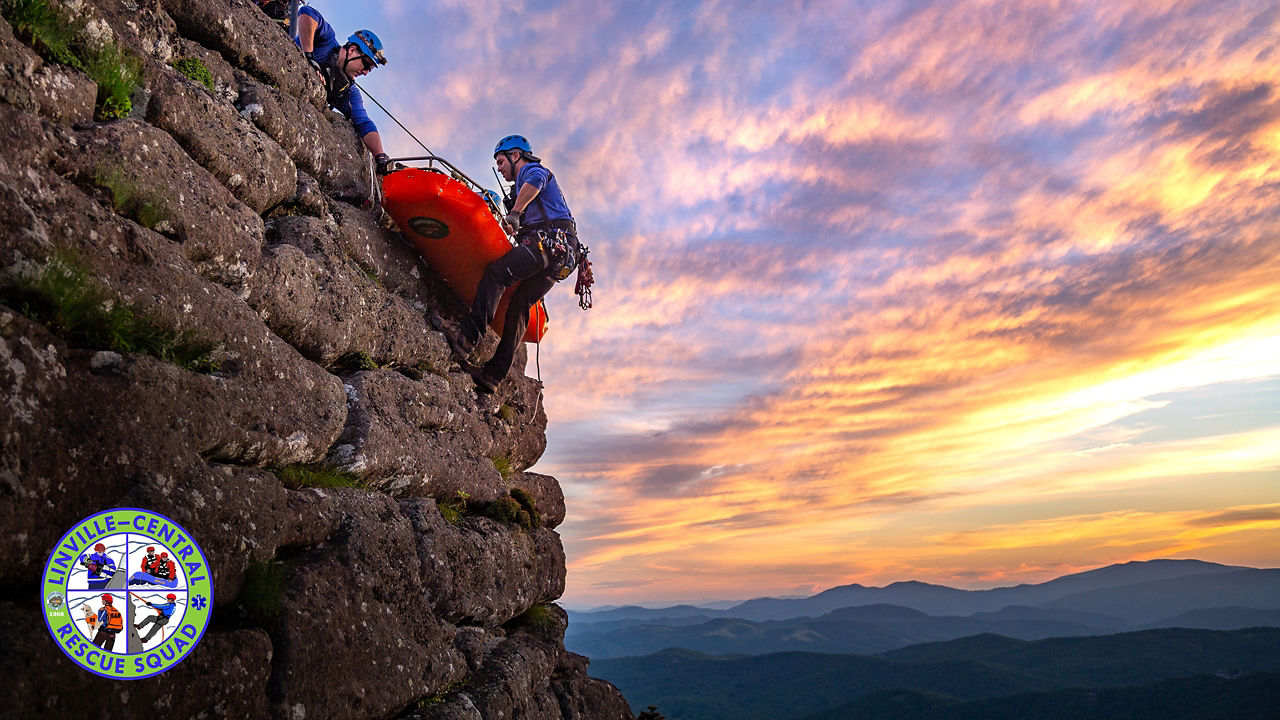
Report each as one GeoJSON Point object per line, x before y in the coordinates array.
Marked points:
{"type": "Point", "coordinates": [44, 613]}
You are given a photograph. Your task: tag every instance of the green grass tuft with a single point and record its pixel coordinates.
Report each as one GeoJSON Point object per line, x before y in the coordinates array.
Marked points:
{"type": "Point", "coordinates": [195, 70]}
{"type": "Point", "coordinates": [355, 362]}
{"type": "Point", "coordinates": [58, 36]}
{"type": "Point", "coordinates": [371, 274]}
{"type": "Point", "coordinates": [64, 298]}
{"type": "Point", "coordinates": [506, 413]}
{"type": "Point", "coordinates": [50, 30]}
{"type": "Point", "coordinates": [262, 594]}
{"type": "Point", "coordinates": [524, 498]}
{"type": "Point", "coordinates": [130, 200]}
{"type": "Point", "coordinates": [451, 515]}
{"type": "Point", "coordinates": [537, 620]}
{"type": "Point", "coordinates": [317, 476]}
{"type": "Point", "coordinates": [118, 73]}
{"type": "Point", "coordinates": [453, 508]}
{"type": "Point", "coordinates": [503, 466]}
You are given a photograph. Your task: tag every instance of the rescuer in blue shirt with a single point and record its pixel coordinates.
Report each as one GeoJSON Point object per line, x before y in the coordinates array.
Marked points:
{"type": "Point", "coordinates": [340, 65]}
{"type": "Point", "coordinates": [96, 563]}
{"type": "Point", "coordinates": [164, 611]}
{"type": "Point", "coordinates": [546, 252]}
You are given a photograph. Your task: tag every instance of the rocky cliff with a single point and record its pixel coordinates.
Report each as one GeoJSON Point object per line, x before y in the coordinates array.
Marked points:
{"type": "Point", "coordinates": [203, 317]}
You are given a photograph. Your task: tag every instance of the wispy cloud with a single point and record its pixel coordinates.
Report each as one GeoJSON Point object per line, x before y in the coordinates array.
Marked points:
{"type": "Point", "coordinates": [882, 287]}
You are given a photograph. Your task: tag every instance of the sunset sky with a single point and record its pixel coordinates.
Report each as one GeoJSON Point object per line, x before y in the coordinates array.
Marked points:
{"type": "Point", "coordinates": [974, 293]}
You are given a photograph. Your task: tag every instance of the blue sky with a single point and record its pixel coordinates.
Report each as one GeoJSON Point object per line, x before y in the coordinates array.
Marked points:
{"type": "Point", "coordinates": [969, 292]}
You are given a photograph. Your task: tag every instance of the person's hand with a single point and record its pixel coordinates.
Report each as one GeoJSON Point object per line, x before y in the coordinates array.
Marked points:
{"type": "Point", "coordinates": [511, 223]}
{"type": "Point", "coordinates": [314, 65]}
{"type": "Point", "coordinates": [383, 161]}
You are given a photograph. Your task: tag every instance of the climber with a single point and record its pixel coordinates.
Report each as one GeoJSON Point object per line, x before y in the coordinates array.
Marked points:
{"type": "Point", "coordinates": [164, 611]}
{"type": "Point", "coordinates": [275, 9]}
{"type": "Point", "coordinates": [546, 252]}
{"type": "Point", "coordinates": [96, 564]}
{"type": "Point", "coordinates": [110, 623]}
{"type": "Point", "coordinates": [339, 66]}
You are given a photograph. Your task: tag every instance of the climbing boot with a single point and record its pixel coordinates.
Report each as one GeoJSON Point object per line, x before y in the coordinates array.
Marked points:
{"type": "Point", "coordinates": [458, 342]}
{"type": "Point", "coordinates": [485, 383]}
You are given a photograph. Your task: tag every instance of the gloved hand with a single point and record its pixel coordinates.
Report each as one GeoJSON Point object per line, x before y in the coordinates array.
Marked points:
{"type": "Point", "coordinates": [512, 222]}
{"type": "Point", "coordinates": [383, 161]}
{"type": "Point", "coordinates": [312, 61]}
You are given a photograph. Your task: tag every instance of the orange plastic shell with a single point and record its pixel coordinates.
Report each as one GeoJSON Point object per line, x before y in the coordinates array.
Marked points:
{"type": "Point", "coordinates": [454, 231]}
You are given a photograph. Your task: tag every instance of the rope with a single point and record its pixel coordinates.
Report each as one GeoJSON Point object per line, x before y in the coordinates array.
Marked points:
{"type": "Point", "coordinates": [393, 117]}
{"type": "Point", "coordinates": [537, 356]}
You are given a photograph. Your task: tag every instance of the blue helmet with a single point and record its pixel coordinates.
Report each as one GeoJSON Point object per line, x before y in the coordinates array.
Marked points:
{"type": "Point", "coordinates": [513, 142]}
{"type": "Point", "coordinates": [369, 44]}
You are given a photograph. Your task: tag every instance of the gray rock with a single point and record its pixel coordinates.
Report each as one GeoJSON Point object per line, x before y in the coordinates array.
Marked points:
{"type": "Point", "coordinates": [483, 572]}
{"type": "Point", "coordinates": [251, 165]}
{"type": "Point", "coordinates": [105, 360]}
{"type": "Point", "coordinates": [226, 86]}
{"type": "Point", "coordinates": [321, 142]}
{"type": "Point", "coordinates": [390, 258]}
{"type": "Point", "coordinates": [418, 437]}
{"type": "Point", "coordinates": [249, 40]}
{"type": "Point", "coordinates": [52, 90]}
{"type": "Point", "coordinates": [222, 236]}
{"type": "Point", "coordinates": [307, 200]}
{"type": "Point", "coordinates": [355, 635]}
{"type": "Point", "coordinates": [328, 307]}
{"type": "Point", "coordinates": [583, 697]}
{"type": "Point", "coordinates": [140, 25]}
{"type": "Point", "coordinates": [547, 496]}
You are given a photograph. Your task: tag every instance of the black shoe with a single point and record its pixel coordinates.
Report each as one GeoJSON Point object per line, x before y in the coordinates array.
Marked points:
{"type": "Point", "coordinates": [485, 383]}
{"type": "Point", "coordinates": [458, 342]}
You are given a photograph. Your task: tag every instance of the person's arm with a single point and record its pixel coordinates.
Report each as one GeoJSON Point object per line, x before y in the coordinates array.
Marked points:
{"type": "Point", "coordinates": [307, 32]}
{"type": "Point", "coordinates": [527, 193]}
{"type": "Point", "coordinates": [373, 141]}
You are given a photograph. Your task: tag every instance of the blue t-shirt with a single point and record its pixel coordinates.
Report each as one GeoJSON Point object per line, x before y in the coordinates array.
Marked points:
{"type": "Point", "coordinates": [166, 609]}
{"type": "Point", "coordinates": [549, 195]}
{"type": "Point", "coordinates": [351, 103]}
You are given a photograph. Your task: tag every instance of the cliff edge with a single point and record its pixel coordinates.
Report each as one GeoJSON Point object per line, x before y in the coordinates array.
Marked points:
{"type": "Point", "coordinates": [201, 317]}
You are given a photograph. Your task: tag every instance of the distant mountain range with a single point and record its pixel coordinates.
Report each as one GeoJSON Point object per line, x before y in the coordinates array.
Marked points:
{"type": "Point", "coordinates": [858, 619]}
{"type": "Point", "coordinates": [1164, 674]}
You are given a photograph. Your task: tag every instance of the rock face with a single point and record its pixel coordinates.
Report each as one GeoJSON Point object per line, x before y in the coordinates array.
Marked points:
{"type": "Point", "coordinates": [236, 215]}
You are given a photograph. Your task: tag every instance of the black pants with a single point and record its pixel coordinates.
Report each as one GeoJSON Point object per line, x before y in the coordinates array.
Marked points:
{"type": "Point", "coordinates": [105, 639]}
{"type": "Point", "coordinates": [523, 263]}
{"type": "Point", "coordinates": [159, 620]}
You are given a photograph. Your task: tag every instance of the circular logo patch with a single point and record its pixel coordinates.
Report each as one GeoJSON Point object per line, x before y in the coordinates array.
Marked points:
{"type": "Point", "coordinates": [428, 227]}
{"type": "Point", "coordinates": [127, 593]}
